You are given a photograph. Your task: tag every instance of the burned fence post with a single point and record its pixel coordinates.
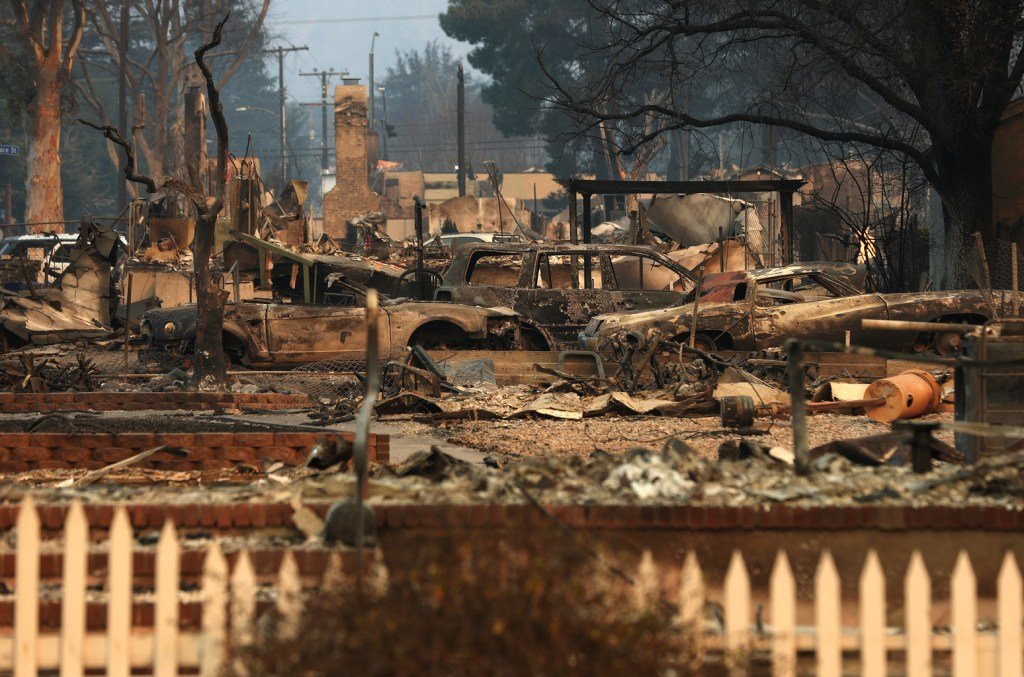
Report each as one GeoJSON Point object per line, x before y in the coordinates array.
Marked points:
{"type": "Point", "coordinates": [798, 406]}
{"type": "Point", "coordinates": [418, 220]}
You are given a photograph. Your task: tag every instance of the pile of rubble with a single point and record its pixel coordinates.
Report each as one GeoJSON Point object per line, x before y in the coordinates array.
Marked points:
{"type": "Point", "coordinates": [745, 474]}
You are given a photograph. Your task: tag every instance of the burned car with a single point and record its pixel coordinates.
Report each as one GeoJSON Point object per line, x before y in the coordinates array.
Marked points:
{"type": "Point", "coordinates": [268, 333]}
{"type": "Point", "coordinates": [557, 288]}
{"type": "Point", "coordinates": [753, 310]}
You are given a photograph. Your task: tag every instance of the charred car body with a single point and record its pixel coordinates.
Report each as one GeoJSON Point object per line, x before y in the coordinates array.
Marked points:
{"type": "Point", "coordinates": [264, 334]}
{"type": "Point", "coordinates": [557, 288]}
{"type": "Point", "coordinates": [753, 310]}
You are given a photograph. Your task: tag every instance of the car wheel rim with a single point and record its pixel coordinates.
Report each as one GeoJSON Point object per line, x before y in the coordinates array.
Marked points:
{"type": "Point", "coordinates": [948, 343]}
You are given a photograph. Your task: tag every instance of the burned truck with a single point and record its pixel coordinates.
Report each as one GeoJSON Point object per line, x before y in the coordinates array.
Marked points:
{"type": "Point", "coordinates": [557, 288]}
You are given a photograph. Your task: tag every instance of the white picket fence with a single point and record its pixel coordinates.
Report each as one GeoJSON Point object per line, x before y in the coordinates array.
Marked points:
{"type": "Point", "coordinates": [229, 605]}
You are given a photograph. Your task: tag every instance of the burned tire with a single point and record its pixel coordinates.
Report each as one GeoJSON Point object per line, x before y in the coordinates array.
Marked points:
{"type": "Point", "coordinates": [444, 336]}
{"type": "Point", "coordinates": [951, 343]}
{"type": "Point", "coordinates": [533, 339]}
{"type": "Point", "coordinates": [234, 349]}
{"type": "Point", "coordinates": [705, 342]}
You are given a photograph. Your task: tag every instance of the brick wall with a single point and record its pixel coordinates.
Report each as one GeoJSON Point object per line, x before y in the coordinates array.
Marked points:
{"type": "Point", "coordinates": [21, 452]}
{"type": "Point", "coordinates": [351, 195]}
{"type": "Point", "coordinates": [13, 403]}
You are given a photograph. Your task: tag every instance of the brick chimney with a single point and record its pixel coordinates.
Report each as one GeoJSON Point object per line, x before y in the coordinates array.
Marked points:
{"type": "Point", "coordinates": [351, 195]}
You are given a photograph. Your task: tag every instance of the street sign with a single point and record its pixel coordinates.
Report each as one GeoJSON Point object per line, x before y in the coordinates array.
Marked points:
{"type": "Point", "coordinates": [10, 150]}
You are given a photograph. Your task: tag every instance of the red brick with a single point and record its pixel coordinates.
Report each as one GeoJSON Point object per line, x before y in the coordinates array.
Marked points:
{"type": "Point", "coordinates": [51, 517]}
{"type": "Point", "coordinates": [216, 464]}
{"type": "Point", "coordinates": [295, 439]}
{"type": "Point", "coordinates": [33, 454]}
{"type": "Point", "coordinates": [111, 454]}
{"type": "Point", "coordinates": [183, 440]}
{"type": "Point", "coordinates": [243, 515]}
{"type": "Point", "coordinates": [14, 439]}
{"type": "Point", "coordinates": [14, 466]}
{"type": "Point", "coordinates": [214, 439]}
{"type": "Point", "coordinates": [59, 398]}
{"type": "Point", "coordinates": [94, 440]}
{"type": "Point", "coordinates": [224, 514]}
{"type": "Point", "coordinates": [48, 439]}
{"type": "Point", "coordinates": [138, 515]}
{"type": "Point", "coordinates": [99, 515]}
{"type": "Point", "coordinates": [207, 515]}
{"type": "Point", "coordinates": [135, 440]}
{"type": "Point", "coordinates": [73, 455]}
{"type": "Point", "coordinates": [258, 514]}
{"type": "Point", "coordinates": [200, 454]}
{"type": "Point", "coordinates": [288, 455]}
{"type": "Point", "coordinates": [254, 439]}
{"type": "Point", "coordinates": [891, 517]}
{"type": "Point", "coordinates": [238, 453]}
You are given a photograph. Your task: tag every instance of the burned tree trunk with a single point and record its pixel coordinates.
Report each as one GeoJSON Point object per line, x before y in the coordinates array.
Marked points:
{"type": "Point", "coordinates": [210, 361]}
{"type": "Point", "coordinates": [44, 204]}
{"type": "Point", "coordinates": [44, 52]}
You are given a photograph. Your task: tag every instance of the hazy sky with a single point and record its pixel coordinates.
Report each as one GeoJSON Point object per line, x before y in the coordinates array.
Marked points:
{"type": "Point", "coordinates": [338, 35]}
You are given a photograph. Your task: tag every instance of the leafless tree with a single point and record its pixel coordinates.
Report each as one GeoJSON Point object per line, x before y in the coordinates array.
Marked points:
{"type": "Point", "coordinates": [44, 51]}
{"type": "Point", "coordinates": [166, 69]}
{"type": "Point", "coordinates": [210, 361]}
{"type": "Point", "coordinates": [876, 197]}
{"type": "Point", "coordinates": [928, 79]}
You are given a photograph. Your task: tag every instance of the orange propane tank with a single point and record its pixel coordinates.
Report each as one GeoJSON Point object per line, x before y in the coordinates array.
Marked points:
{"type": "Point", "coordinates": [908, 395]}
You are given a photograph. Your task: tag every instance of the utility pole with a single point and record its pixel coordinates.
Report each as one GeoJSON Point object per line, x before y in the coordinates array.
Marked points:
{"type": "Point", "coordinates": [373, 89]}
{"type": "Point", "coordinates": [122, 103]}
{"type": "Point", "coordinates": [461, 107]}
{"type": "Point", "coordinates": [282, 124]}
{"type": "Point", "coordinates": [384, 125]}
{"type": "Point", "coordinates": [324, 102]}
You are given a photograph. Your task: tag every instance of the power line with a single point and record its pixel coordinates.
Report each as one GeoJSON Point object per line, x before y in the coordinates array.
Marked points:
{"type": "Point", "coordinates": [352, 20]}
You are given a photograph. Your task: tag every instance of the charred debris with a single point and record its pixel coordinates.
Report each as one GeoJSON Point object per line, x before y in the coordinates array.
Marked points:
{"type": "Point", "coordinates": [686, 308]}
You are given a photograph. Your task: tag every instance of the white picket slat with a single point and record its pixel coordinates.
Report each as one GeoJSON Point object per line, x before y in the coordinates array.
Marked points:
{"type": "Point", "coordinates": [215, 611]}
{"type": "Point", "coordinates": [963, 593]}
{"type": "Point", "coordinates": [243, 600]}
{"type": "Point", "coordinates": [334, 574]}
{"type": "Point", "coordinates": [647, 586]}
{"type": "Point", "coordinates": [736, 606]}
{"type": "Point", "coordinates": [783, 617]}
{"type": "Point", "coordinates": [827, 606]}
{"type": "Point", "coordinates": [72, 614]}
{"type": "Point", "coordinates": [289, 595]}
{"type": "Point", "coordinates": [119, 590]}
{"type": "Point", "coordinates": [917, 600]}
{"type": "Point", "coordinates": [691, 607]}
{"type": "Point", "coordinates": [1011, 617]}
{"type": "Point", "coordinates": [26, 590]}
{"type": "Point", "coordinates": [872, 617]}
{"type": "Point", "coordinates": [164, 649]}
{"type": "Point", "coordinates": [165, 615]}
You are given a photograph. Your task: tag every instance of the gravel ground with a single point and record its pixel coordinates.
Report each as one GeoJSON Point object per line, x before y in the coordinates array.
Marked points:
{"type": "Point", "coordinates": [543, 437]}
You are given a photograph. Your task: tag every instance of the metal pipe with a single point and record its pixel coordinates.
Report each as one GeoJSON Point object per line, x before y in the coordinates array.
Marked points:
{"type": "Point", "coordinates": [696, 307]}
{"type": "Point", "coordinates": [360, 446]}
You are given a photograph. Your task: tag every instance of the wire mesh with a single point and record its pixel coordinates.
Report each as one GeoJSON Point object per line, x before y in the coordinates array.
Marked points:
{"type": "Point", "coordinates": [992, 268]}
